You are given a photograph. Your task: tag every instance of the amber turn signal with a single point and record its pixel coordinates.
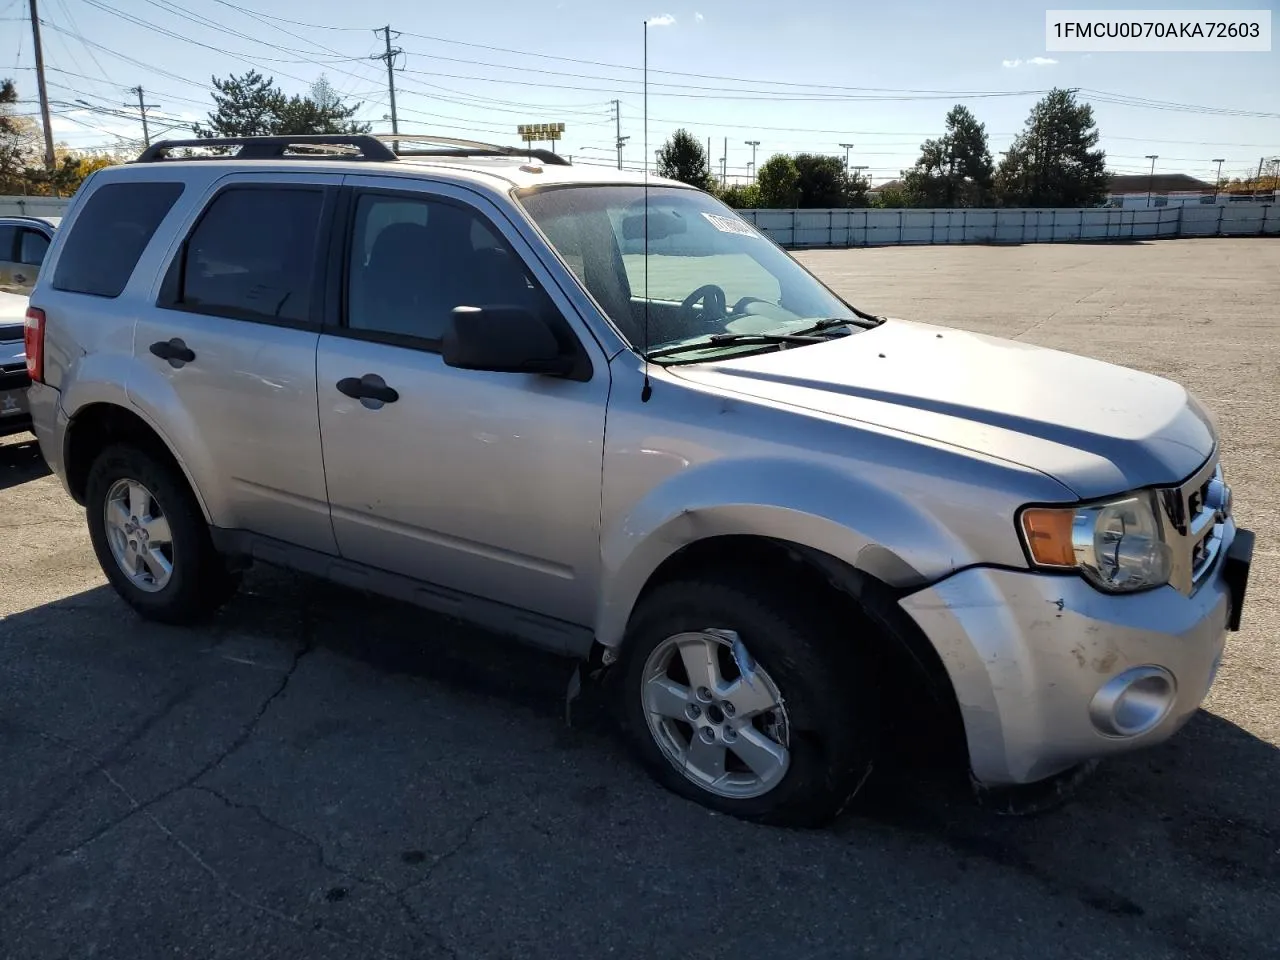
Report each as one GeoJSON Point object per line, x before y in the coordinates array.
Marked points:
{"type": "Point", "coordinates": [1048, 535]}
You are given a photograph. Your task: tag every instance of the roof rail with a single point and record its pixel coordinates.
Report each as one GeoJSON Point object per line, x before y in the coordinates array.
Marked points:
{"type": "Point", "coordinates": [453, 147]}
{"type": "Point", "coordinates": [276, 147]}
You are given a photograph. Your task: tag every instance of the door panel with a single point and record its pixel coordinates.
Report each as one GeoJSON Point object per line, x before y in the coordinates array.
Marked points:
{"type": "Point", "coordinates": [483, 482]}
{"type": "Point", "coordinates": [240, 295]}
{"type": "Point", "coordinates": [486, 483]}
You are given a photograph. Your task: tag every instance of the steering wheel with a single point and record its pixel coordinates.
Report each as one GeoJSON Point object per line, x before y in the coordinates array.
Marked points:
{"type": "Point", "coordinates": [713, 304]}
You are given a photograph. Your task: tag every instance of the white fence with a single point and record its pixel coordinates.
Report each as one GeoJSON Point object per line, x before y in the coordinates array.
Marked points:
{"type": "Point", "coordinates": [863, 227]}
{"type": "Point", "coordinates": [33, 206]}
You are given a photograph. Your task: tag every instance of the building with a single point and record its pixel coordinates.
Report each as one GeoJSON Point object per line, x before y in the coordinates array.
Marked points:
{"type": "Point", "coordinates": [1164, 189]}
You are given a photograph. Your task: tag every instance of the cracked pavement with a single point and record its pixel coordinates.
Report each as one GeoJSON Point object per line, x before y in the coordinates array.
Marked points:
{"type": "Point", "coordinates": [319, 774]}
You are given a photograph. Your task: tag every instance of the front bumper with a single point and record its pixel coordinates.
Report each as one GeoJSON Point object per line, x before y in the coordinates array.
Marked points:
{"type": "Point", "coordinates": [1028, 654]}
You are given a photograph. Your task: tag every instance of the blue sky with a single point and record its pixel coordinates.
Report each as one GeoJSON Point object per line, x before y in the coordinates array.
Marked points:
{"type": "Point", "coordinates": [769, 50]}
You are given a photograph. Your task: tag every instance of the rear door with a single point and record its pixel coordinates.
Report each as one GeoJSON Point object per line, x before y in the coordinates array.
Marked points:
{"type": "Point", "coordinates": [234, 330]}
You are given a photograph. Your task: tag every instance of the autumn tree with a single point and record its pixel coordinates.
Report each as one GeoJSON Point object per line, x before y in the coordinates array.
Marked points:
{"type": "Point", "coordinates": [1054, 162]}
{"type": "Point", "coordinates": [779, 183]}
{"type": "Point", "coordinates": [683, 158]}
{"type": "Point", "coordinates": [955, 170]}
{"type": "Point", "coordinates": [19, 143]}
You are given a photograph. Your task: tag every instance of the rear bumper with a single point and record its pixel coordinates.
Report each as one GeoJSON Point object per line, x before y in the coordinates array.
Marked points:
{"type": "Point", "coordinates": [1036, 661]}
{"type": "Point", "coordinates": [49, 424]}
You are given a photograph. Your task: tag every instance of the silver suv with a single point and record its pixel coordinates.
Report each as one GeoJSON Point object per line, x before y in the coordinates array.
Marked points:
{"type": "Point", "coordinates": [612, 419]}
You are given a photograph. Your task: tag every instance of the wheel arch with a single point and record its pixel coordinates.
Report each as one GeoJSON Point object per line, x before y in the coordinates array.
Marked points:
{"type": "Point", "coordinates": [95, 426]}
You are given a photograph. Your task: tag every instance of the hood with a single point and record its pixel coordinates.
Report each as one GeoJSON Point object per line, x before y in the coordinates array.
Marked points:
{"type": "Point", "coordinates": [1097, 428]}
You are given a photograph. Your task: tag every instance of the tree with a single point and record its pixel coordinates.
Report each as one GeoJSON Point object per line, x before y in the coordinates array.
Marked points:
{"type": "Point", "coordinates": [321, 112]}
{"type": "Point", "coordinates": [19, 142]}
{"type": "Point", "coordinates": [779, 183]}
{"type": "Point", "coordinates": [823, 181]}
{"type": "Point", "coordinates": [954, 170]}
{"type": "Point", "coordinates": [857, 191]}
{"type": "Point", "coordinates": [247, 106]}
{"type": "Point", "coordinates": [741, 196]}
{"type": "Point", "coordinates": [682, 158]}
{"type": "Point", "coordinates": [253, 106]}
{"type": "Point", "coordinates": [1052, 162]}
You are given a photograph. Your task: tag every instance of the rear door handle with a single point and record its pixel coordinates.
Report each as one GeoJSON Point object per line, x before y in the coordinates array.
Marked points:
{"type": "Point", "coordinates": [369, 387]}
{"type": "Point", "coordinates": [175, 351]}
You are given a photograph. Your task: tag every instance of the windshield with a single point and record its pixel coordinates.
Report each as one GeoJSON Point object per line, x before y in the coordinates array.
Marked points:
{"type": "Point", "coordinates": [710, 273]}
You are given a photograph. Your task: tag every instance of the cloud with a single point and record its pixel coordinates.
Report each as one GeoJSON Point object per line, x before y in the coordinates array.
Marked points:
{"type": "Point", "coordinates": [1032, 62]}
{"type": "Point", "coordinates": [698, 17]}
{"type": "Point", "coordinates": [666, 20]}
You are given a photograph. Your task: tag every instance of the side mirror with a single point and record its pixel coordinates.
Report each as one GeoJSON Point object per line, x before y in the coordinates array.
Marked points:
{"type": "Point", "coordinates": [503, 340]}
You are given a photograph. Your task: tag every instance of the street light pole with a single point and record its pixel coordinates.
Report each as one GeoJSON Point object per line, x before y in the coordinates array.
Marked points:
{"type": "Point", "coordinates": [847, 148]}
{"type": "Point", "coordinates": [752, 144]}
{"type": "Point", "coordinates": [1151, 178]}
{"type": "Point", "coordinates": [1217, 180]}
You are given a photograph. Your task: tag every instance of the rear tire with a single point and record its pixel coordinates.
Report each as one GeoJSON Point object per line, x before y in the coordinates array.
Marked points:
{"type": "Point", "coordinates": [151, 538]}
{"type": "Point", "coordinates": [825, 721]}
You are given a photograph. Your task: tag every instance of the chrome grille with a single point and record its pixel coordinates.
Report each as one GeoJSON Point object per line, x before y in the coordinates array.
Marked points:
{"type": "Point", "coordinates": [1194, 516]}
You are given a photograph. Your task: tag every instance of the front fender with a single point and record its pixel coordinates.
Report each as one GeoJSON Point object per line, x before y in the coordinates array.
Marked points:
{"type": "Point", "coordinates": [818, 507]}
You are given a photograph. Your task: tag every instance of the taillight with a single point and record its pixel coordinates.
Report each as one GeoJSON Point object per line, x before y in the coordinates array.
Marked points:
{"type": "Point", "coordinates": [33, 343]}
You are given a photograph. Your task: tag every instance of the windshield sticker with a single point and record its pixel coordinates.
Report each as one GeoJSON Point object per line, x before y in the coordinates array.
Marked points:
{"type": "Point", "coordinates": [730, 225]}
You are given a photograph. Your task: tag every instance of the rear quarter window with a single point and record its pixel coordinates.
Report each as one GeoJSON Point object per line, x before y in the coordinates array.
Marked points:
{"type": "Point", "coordinates": [108, 237]}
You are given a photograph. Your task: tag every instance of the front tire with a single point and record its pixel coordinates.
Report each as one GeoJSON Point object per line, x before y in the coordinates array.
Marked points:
{"type": "Point", "coordinates": [151, 538]}
{"type": "Point", "coordinates": [750, 699]}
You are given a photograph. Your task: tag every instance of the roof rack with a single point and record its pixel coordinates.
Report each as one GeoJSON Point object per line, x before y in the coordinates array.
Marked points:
{"type": "Point", "coordinates": [359, 147]}
{"type": "Point", "coordinates": [272, 148]}
{"type": "Point", "coordinates": [453, 147]}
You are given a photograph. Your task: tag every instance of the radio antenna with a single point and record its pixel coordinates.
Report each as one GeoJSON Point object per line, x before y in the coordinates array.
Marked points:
{"type": "Point", "coordinates": [647, 391]}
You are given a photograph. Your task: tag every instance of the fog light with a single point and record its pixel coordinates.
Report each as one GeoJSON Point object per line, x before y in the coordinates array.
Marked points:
{"type": "Point", "coordinates": [1133, 702]}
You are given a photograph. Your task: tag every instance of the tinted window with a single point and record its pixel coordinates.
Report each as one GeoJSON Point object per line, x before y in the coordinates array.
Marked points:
{"type": "Point", "coordinates": [32, 247]}
{"type": "Point", "coordinates": [414, 260]}
{"type": "Point", "coordinates": [252, 255]}
{"type": "Point", "coordinates": [109, 235]}
{"type": "Point", "coordinates": [8, 237]}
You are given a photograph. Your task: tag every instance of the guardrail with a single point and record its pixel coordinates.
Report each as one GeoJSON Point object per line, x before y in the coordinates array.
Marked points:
{"type": "Point", "coordinates": [875, 227]}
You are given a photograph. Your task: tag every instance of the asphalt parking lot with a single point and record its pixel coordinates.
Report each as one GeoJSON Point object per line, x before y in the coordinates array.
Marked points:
{"type": "Point", "coordinates": [322, 775]}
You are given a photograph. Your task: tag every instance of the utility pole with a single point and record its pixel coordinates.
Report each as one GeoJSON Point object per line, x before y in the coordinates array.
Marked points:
{"type": "Point", "coordinates": [847, 148]}
{"type": "Point", "coordinates": [49, 160]}
{"type": "Point", "coordinates": [1151, 179]}
{"type": "Point", "coordinates": [724, 165]}
{"type": "Point", "coordinates": [620, 139]}
{"type": "Point", "coordinates": [389, 57]}
{"type": "Point", "coordinates": [752, 144]}
{"type": "Point", "coordinates": [708, 158]}
{"type": "Point", "coordinates": [1217, 180]}
{"type": "Point", "coordinates": [142, 109]}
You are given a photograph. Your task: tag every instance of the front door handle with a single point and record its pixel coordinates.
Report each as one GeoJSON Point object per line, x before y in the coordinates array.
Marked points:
{"type": "Point", "coordinates": [175, 351]}
{"type": "Point", "coordinates": [369, 387]}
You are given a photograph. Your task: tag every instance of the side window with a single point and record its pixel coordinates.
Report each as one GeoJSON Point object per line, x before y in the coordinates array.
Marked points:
{"type": "Point", "coordinates": [414, 259]}
{"type": "Point", "coordinates": [32, 246]}
{"type": "Point", "coordinates": [8, 239]}
{"type": "Point", "coordinates": [109, 235]}
{"type": "Point", "coordinates": [251, 256]}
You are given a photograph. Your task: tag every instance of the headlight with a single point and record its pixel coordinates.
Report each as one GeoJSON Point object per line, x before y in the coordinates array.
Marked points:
{"type": "Point", "coordinates": [1117, 545]}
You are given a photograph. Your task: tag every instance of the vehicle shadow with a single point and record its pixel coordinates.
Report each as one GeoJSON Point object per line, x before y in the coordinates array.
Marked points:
{"type": "Point", "coordinates": [1175, 848]}
{"type": "Point", "coordinates": [20, 462]}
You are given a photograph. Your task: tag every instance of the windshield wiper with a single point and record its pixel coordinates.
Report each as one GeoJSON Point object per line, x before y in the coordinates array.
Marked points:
{"type": "Point", "coordinates": [867, 322]}
{"type": "Point", "coordinates": [734, 339]}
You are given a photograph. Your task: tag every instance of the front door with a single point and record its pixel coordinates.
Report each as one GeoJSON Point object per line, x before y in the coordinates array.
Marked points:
{"type": "Point", "coordinates": [484, 483]}
{"type": "Point", "coordinates": [234, 331]}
